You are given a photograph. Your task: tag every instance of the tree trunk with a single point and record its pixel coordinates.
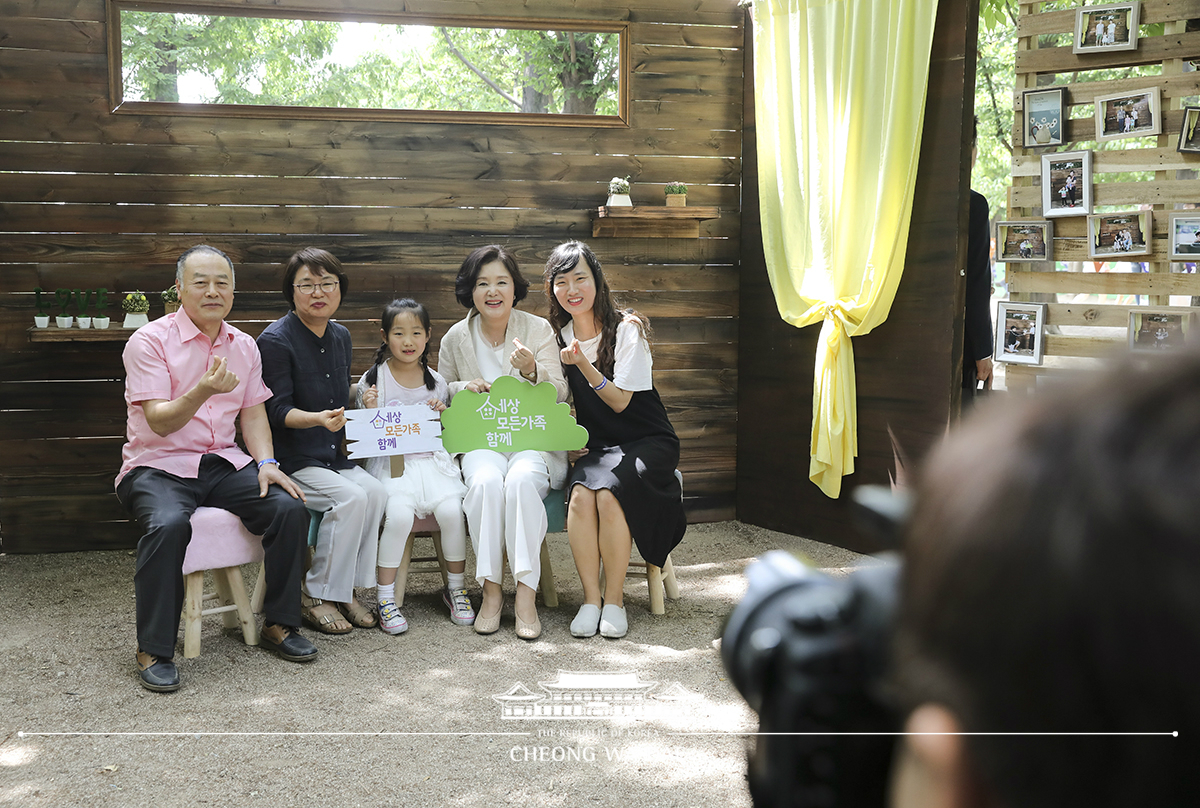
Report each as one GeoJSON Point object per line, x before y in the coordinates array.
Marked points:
{"type": "Point", "coordinates": [166, 85]}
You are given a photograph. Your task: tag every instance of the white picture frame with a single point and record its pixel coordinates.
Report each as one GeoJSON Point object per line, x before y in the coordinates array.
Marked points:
{"type": "Point", "coordinates": [1067, 184]}
{"type": "Point", "coordinates": [1105, 28]}
{"type": "Point", "coordinates": [1025, 241]}
{"type": "Point", "coordinates": [1121, 234]}
{"type": "Point", "coordinates": [1183, 233]}
{"type": "Point", "coordinates": [1020, 332]}
{"type": "Point", "coordinates": [1129, 114]}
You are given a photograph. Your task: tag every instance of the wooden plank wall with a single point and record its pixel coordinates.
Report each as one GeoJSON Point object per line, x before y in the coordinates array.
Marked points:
{"type": "Point", "coordinates": [1084, 328]}
{"type": "Point", "coordinates": [91, 199]}
{"type": "Point", "coordinates": [908, 369]}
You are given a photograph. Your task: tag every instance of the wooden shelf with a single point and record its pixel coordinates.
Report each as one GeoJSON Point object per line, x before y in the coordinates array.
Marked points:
{"type": "Point", "coordinates": [114, 333]}
{"type": "Point", "coordinates": [651, 222]}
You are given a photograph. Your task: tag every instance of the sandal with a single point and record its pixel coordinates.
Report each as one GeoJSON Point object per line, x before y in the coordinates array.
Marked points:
{"type": "Point", "coordinates": [358, 614]}
{"type": "Point", "coordinates": [323, 616]}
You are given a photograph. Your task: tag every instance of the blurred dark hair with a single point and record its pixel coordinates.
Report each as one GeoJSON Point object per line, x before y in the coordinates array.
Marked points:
{"type": "Point", "coordinates": [605, 309]}
{"type": "Point", "coordinates": [468, 273]}
{"type": "Point", "coordinates": [1052, 584]}
{"type": "Point", "coordinates": [390, 312]}
{"type": "Point", "coordinates": [319, 262]}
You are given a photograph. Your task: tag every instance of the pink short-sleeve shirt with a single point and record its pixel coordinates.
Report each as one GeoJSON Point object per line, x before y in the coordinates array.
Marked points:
{"type": "Point", "coordinates": [164, 360]}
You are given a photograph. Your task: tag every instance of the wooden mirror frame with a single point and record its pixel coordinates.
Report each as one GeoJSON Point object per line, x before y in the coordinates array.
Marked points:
{"type": "Point", "coordinates": [120, 106]}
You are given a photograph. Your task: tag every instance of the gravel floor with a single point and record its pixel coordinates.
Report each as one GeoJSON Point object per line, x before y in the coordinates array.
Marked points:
{"type": "Point", "coordinates": [377, 720]}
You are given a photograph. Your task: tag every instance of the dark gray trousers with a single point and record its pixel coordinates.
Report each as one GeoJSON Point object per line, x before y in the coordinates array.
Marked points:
{"type": "Point", "coordinates": [163, 505]}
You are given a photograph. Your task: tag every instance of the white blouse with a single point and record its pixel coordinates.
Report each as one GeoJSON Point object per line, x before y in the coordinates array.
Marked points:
{"type": "Point", "coordinates": [633, 364]}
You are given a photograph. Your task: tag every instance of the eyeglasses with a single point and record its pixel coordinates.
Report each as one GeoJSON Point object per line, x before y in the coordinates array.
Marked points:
{"type": "Point", "coordinates": [328, 287]}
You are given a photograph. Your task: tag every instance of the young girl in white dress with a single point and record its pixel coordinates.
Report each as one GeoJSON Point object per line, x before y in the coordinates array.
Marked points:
{"type": "Point", "coordinates": [431, 482]}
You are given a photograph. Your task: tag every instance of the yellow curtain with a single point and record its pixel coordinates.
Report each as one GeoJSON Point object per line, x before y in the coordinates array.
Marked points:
{"type": "Point", "coordinates": [839, 91]}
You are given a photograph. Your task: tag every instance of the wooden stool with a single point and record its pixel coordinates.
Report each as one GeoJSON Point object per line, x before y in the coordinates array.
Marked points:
{"type": "Point", "coordinates": [220, 543]}
{"type": "Point", "coordinates": [658, 579]}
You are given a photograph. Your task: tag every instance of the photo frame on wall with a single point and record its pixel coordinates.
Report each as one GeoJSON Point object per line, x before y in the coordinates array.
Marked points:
{"type": "Point", "coordinates": [1067, 184]}
{"type": "Point", "coordinates": [1024, 241]}
{"type": "Point", "coordinates": [1113, 27]}
{"type": "Point", "coordinates": [1019, 332]}
{"type": "Point", "coordinates": [1130, 114]}
{"type": "Point", "coordinates": [1189, 132]}
{"type": "Point", "coordinates": [1159, 330]}
{"type": "Point", "coordinates": [1045, 116]}
{"type": "Point", "coordinates": [1184, 235]}
{"type": "Point", "coordinates": [1117, 235]}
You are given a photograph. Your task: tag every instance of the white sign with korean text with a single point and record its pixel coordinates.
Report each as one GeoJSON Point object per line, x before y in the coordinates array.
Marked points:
{"type": "Point", "coordinates": [393, 431]}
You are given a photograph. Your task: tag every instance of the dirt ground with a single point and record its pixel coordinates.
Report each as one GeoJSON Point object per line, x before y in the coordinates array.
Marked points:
{"type": "Point", "coordinates": [377, 720]}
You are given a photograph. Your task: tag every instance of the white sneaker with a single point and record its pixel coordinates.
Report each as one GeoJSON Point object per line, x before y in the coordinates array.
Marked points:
{"type": "Point", "coordinates": [612, 622]}
{"type": "Point", "coordinates": [390, 619]}
{"type": "Point", "coordinates": [461, 613]}
{"type": "Point", "coordinates": [586, 622]}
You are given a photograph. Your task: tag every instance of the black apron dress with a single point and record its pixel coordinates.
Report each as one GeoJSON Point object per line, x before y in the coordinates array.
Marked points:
{"type": "Point", "coordinates": [633, 454]}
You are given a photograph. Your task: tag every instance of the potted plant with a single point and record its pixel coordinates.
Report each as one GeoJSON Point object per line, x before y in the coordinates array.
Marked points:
{"type": "Point", "coordinates": [41, 319]}
{"type": "Point", "coordinates": [83, 302]}
{"type": "Point", "coordinates": [136, 307]}
{"type": "Point", "coordinates": [170, 299]}
{"type": "Point", "coordinates": [676, 195]}
{"type": "Point", "coordinates": [101, 318]}
{"type": "Point", "coordinates": [618, 193]}
{"type": "Point", "coordinates": [63, 298]}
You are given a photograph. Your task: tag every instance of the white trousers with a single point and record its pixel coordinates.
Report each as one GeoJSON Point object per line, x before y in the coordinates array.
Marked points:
{"type": "Point", "coordinates": [399, 523]}
{"type": "Point", "coordinates": [353, 503]}
{"type": "Point", "coordinates": [504, 511]}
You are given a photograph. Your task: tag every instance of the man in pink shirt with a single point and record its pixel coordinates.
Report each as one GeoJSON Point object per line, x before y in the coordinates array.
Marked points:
{"type": "Point", "coordinates": [189, 376]}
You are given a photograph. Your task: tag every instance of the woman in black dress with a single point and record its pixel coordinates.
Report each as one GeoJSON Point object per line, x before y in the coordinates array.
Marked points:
{"type": "Point", "coordinates": [624, 489]}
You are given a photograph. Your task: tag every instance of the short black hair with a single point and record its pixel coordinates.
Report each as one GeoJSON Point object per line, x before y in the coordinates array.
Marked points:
{"type": "Point", "coordinates": [319, 262]}
{"type": "Point", "coordinates": [1052, 584]}
{"type": "Point", "coordinates": [468, 273]}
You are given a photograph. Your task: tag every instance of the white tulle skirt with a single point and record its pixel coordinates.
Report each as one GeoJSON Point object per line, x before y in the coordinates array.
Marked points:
{"type": "Point", "coordinates": [426, 482]}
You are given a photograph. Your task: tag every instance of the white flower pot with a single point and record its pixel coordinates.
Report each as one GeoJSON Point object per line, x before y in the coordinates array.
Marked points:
{"type": "Point", "coordinates": [135, 319]}
{"type": "Point", "coordinates": [85, 322]}
{"type": "Point", "coordinates": [619, 201]}
{"type": "Point", "coordinates": [63, 322]}
{"type": "Point", "coordinates": [100, 322]}
{"type": "Point", "coordinates": [41, 320]}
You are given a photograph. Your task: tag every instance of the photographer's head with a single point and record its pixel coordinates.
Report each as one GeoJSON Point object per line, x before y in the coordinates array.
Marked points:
{"type": "Point", "coordinates": [1052, 584]}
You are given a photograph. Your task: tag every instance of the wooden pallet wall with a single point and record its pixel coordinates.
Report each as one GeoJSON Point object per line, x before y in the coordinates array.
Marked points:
{"type": "Point", "coordinates": [1088, 329]}
{"type": "Point", "coordinates": [102, 200]}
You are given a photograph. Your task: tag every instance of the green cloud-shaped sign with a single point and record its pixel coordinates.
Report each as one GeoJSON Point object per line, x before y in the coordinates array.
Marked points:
{"type": "Point", "coordinates": [512, 417]}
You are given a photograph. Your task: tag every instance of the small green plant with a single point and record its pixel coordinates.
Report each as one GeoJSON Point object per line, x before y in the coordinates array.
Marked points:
{"type": "Point", "coordinates": [37, 301]}
{"type": "Point", "coordinates": [101, 302]}
{"type": "Point", "coordinates": [136, 303]}
{"type": "Point", "coordinates": [674, 188]}
{"type": "Point", "coordinates": [170, 295]}
{"type": "Point", "coordinates": [618, 186]}
{"type": "Point", "coordinates": [63, 298]}
{"type": "Point", "coordinates": [83, 300]}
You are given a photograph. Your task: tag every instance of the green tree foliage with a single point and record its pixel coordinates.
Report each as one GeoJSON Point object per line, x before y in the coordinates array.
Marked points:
{"type": "Point", "coordinates": [250, 60]}
{"type": "Point", "coordinates": [285, 62]}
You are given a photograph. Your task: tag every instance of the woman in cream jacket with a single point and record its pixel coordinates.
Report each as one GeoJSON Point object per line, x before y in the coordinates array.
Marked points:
{"type": "Point", "coordinates": [503, 504]}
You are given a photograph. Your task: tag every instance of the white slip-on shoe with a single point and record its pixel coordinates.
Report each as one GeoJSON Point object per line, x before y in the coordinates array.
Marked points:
{"type": "Point", "coordinates": [586, 622]}
{"type": "Point", "coordinates": [612, 622]}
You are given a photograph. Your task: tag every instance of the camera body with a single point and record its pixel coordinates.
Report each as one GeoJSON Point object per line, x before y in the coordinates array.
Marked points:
{"type": "Point", "coordinates": [809, 653]}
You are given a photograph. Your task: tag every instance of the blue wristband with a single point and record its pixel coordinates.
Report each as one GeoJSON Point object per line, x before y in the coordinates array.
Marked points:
{"type": "Point", "coordinates": [603, 381]}
{"type": "Point", "coordinates": [262, 463]}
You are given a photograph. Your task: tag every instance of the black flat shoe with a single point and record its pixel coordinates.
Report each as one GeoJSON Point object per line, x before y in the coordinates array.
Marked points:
{"type": "Point", "coordinates": [157, 674]}
{"type": "Point", "coordinates": [288, 643]}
